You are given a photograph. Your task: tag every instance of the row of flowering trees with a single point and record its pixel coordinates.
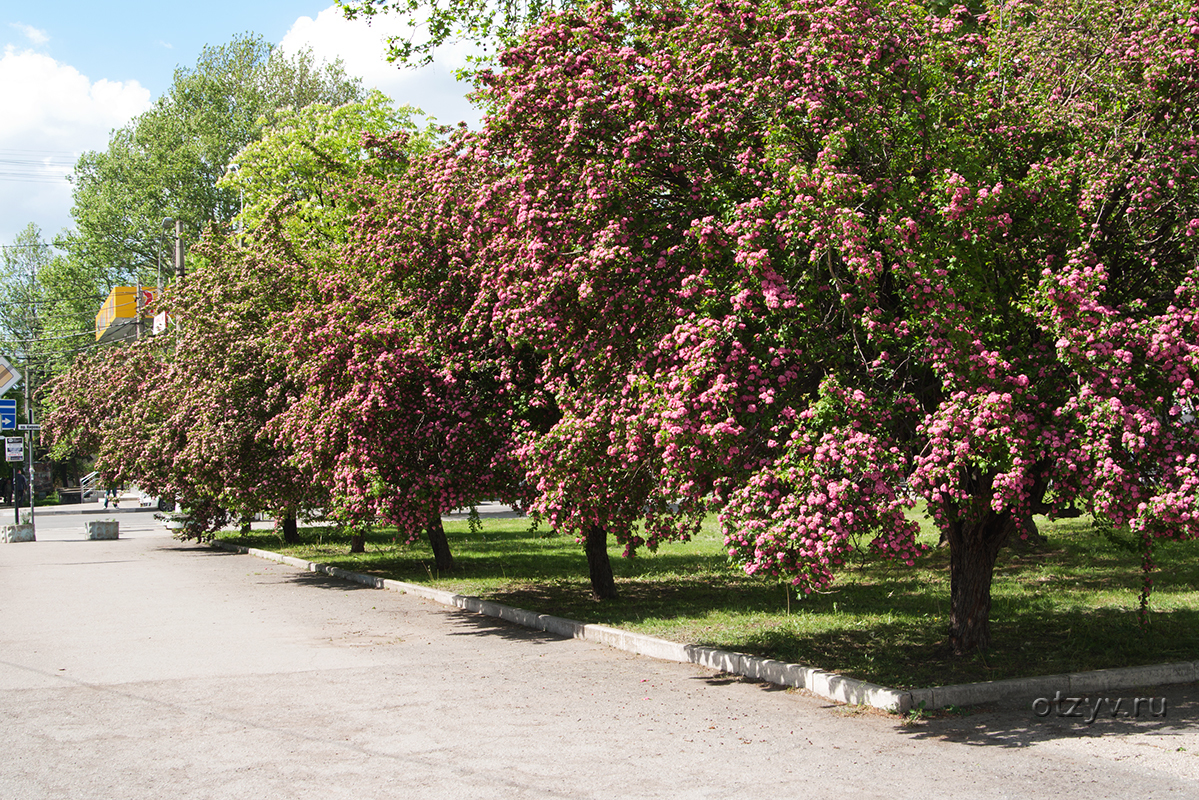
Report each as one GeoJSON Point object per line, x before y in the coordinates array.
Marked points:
{"type": "Point", "coordinates": [795, 262]}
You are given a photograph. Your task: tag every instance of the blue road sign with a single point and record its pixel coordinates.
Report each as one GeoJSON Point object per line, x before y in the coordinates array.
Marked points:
{"type": "Point", "coordinates": [8, 415]}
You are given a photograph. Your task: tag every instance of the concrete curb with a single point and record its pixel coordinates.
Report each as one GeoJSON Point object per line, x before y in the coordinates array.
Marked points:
{"type": "Point", "coordinates": [1076, 684]}
{"type": "Point", "coordinates": [828, 685]}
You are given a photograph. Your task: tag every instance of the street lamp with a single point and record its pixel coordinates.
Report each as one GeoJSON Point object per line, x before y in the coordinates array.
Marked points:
{"type": "Point", "coordinates": [167, 224]}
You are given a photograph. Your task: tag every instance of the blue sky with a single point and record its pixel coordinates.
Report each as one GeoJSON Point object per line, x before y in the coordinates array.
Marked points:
{"type": "Point", "coordinates": [145, 41]}
{"type": "Point", "coordinates": [71, 72]}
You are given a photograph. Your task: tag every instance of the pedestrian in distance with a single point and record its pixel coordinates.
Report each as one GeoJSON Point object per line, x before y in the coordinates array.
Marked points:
{"type": "Point", "coordinates": [19, 487]}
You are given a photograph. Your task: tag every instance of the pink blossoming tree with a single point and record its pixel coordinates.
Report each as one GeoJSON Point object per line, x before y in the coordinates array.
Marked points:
{"type": "Point", "coordinates": [404, 412]}
{"type": "Point", "coordinates": [802, 262]}
{"type": "Point", "coordinates": [808, 261]}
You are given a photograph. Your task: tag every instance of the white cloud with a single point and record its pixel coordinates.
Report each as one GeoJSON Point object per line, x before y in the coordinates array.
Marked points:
{"type": "Point", "coordinates": [34, 35]}
{"type": "Point", "coordinates": [363, 50]}
{"type": "Point", "coordinates": [52, 114]}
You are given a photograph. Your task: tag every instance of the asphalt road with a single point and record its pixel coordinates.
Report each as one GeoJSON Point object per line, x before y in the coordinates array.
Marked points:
{"type": "Point", "coordinates": [149, 668]}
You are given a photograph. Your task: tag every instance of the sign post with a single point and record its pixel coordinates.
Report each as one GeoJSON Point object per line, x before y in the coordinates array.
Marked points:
{"type": "Point", "coordinates": [29, 488]}
{"type": "Point", "coordinates": [14, 450]}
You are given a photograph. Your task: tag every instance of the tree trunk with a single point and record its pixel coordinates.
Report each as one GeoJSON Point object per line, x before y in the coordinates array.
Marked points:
{"type": "Point", "coordinates": [1027, 535]}
{"type": "Point", "coordinates": [973, 549]}
{"type": "Point", "coordinates": [357, 543]}
{"type": "Point", "coordinates": [603, 583]}
{"type": "Point", "coordinates": [441, 545]}
{"type": "Point", "coordinates": [291, 533]}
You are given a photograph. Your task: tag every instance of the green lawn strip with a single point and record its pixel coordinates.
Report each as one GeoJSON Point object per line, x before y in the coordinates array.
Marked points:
{"type": "Point", "coordinates": [1069, 606]}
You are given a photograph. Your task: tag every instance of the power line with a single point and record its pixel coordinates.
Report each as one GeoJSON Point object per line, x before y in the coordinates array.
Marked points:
{"type": "Point", "coordinates": [36, 166]}
{"type": "Point", "coordinates": [42, 153]}
{"type": "Point", "coordinates": [13, 177]}
{"type": "Point", "coordinates": [50, 300]}
{"type": "Point", "coordinates": [53, 338]}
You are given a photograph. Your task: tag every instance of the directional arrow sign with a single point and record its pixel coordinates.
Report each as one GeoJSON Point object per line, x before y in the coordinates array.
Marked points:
{"type": "Point", "coordinates": [8, 414]}
{"type": "Point", "coordinates": [9, 377]}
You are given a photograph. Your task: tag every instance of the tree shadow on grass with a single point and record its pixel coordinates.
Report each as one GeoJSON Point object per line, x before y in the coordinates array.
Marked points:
{"type": "Point", "coordinates": [905, 646]}
{"type": "Point", "coordinates": [904, 655]}
{"type": "Point", "coordinates": [639, 600]}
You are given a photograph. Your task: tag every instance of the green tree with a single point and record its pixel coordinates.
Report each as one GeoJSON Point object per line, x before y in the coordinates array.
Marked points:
{"type": "Point", "coordinates": [21, 297]}
{"type": "Point", "coordinates": [197, 428]}
{"type": "Point", "coordinates": [167, 161]}
{"type": "Point", "coordinates": [46, 308]}
{"type": "Point", "coordinates": [436, 22]}
{"type": "Point", "coordinates": [292, 180]}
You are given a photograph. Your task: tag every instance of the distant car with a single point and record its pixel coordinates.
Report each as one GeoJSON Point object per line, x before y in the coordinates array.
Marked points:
{"type": "Point", "coordinates": [160, 503]}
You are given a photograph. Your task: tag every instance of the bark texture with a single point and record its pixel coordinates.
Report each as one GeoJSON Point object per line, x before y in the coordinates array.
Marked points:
{"type": "Point", "coordinates": [440, 544]}
{"type": "Point", "coordinates": [291, 532]}
{"type": "Point", "coordinates": [973, 548]}
{"type": "Point", "coordinates": [603, 583]}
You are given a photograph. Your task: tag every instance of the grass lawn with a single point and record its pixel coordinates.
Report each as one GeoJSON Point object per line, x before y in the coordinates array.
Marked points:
{"type": "Point", "coordinates": [1068, 606]}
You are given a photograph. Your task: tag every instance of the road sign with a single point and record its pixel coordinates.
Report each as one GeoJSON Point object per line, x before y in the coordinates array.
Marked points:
{"type": "Point", "coordinates": [29, 426]}
{"type": "Point", "coordinates": [8, 415]}
{"type": "Point", "coordinates": [9, 377]}
{"type": "Point", "coordinates": [14, 448]}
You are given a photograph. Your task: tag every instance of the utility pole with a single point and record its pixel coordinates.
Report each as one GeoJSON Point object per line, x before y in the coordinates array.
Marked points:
{"type": "Point", "coordinates": [29, 439]}
{"type": "Point", "coordinates": [179, 252]}
{"type": "Point", "coordinates": [34, 331]}
{"type": "Point", "coordinates": [167, 223]}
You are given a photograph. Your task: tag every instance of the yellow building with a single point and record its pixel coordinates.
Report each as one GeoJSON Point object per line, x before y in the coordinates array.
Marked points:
{"type": "Point", "coordinates": [118, 316]}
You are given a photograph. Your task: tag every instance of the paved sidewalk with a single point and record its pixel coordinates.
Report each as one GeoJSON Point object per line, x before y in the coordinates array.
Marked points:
{"type": "Point", "coordinates": [127, 505]}
{"type": "Point", "coordinates": [146, 667]}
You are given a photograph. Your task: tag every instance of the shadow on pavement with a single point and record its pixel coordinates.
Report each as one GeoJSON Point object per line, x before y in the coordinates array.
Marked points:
{"type": "Point", "coordinates": [319, 580]}
{"type": "Point", "coordinates": [1013, 726]}
{"type": "Point", "coordinates": [175, 546]}
{"type": "Point", "coordinates": [88, 563]}
{"type": "Point", "coordinates": [468, 623]}
{"type": "Point", "coordinates": [727, 679]}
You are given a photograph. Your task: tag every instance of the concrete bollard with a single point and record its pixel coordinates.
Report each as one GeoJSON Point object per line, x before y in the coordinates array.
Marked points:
{"type": "Point", "coordinates": [101, 528]}
{"type": "Point", "coordinates": [16, 533]}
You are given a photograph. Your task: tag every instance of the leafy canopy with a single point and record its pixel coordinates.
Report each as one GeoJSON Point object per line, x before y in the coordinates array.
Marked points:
{"type": "Point", "coordinates": [167, 161]}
